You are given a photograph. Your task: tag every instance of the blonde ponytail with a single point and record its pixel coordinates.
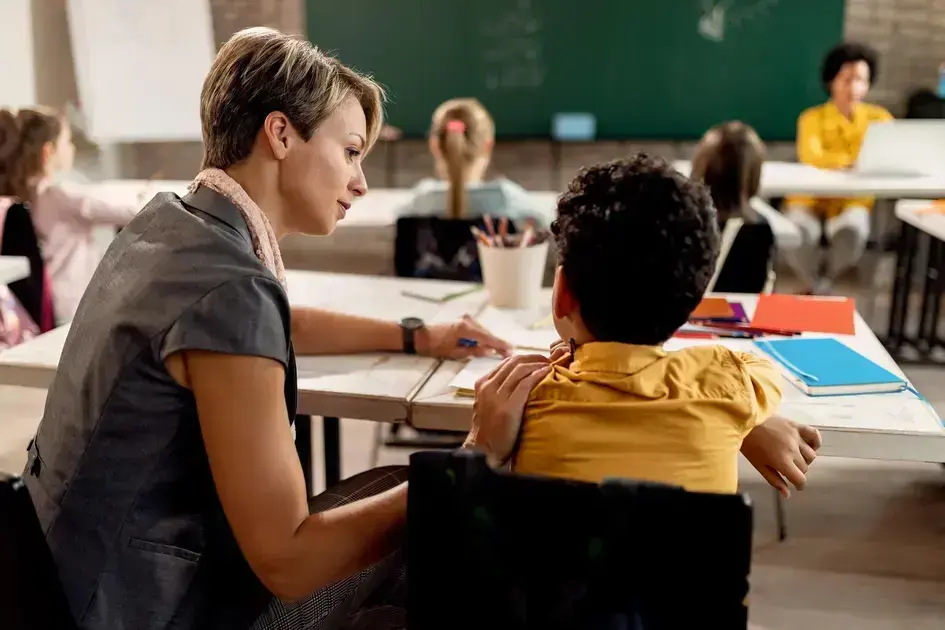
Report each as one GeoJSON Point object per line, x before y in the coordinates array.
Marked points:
{"type": "Point", "coordinates": [464, 132]}
{"type": "Point", "coordinates": [455, 155]}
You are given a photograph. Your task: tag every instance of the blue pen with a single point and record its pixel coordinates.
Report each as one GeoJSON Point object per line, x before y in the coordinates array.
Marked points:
{"type": "Point", "coordinates": [467, 343]}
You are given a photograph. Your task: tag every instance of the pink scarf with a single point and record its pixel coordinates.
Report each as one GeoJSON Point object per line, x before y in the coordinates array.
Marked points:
{"type": "Point", "coordinates": [265, 243]}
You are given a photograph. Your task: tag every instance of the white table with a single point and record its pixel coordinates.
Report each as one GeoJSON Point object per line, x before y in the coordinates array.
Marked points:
{"type": "Point", "coordinates": [13, 268]}
{"type": "Point", "coordinates": [368, 228]}
{"type": "Point", "coordinates": [779, 179]}
{"type": "Point", "coordinates": [365, 386]}
{"type": "Point", "coordinates": [860, 427]}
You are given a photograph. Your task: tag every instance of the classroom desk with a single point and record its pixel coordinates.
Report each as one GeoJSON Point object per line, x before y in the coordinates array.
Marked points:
{"type": "Point", "coordinates": [885, 426]}
{"type": "Point", "coordinates": [917, 224]}
{"type": "Point", "coordinates": [780, 179]}
{"type": "Point", "coordinates": [365, 386]}
{"type": "Point", "coordinates": [13, 268]}
{"type": "Point", "coordinates": [132, 192]}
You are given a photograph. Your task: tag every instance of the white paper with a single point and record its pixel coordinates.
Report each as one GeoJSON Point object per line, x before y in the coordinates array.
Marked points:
{"type": "Point", "coordinates": [871, 412]}
{"type": "Point", "coordinates": [515, 327]}
{"type": "Point", "coordinates": [475, 369]}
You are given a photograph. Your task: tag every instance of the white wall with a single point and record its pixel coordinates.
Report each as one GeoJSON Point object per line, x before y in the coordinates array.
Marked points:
{"type": "Point", "coordinates": [18, 66]}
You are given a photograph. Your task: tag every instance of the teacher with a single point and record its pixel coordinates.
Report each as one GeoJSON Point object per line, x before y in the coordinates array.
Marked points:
{"type": "Point", "coordinates": [164, 472]}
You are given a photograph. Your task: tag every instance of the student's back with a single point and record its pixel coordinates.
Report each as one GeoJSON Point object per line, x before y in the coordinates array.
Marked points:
{"type": "Point", "coordinates": [497, 197]}
{"type": "Point", "coordinates": [63, 217]}
{"type": "Point", "coordinates": [638, 243]}
{"type": "Point", "coordinates": [728, 160]}
{"type": "Point", "coordinates": [462, 136]}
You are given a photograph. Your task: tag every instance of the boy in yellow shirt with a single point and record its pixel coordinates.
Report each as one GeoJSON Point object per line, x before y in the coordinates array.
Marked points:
{"type": "Point", "coordinates": [637, 244]}
{"type": "Point", "coordinates": [829, 136]}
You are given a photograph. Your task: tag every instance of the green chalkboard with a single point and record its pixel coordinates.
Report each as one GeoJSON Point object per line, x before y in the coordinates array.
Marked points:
{"type": "Point", "coordinates": [658, 69]}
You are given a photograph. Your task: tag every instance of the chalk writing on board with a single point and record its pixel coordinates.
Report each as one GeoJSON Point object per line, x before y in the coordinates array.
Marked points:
{"type": "Point", "coordinates": [512, 50]}
{"type": "Point", "coordinates": [719, 15]}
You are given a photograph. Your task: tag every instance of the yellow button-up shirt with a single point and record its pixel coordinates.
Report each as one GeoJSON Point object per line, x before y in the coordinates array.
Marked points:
{"type": "Point", "coordinates": [642, 413]}
{"type": "Point", "coordinates": [828, 139]}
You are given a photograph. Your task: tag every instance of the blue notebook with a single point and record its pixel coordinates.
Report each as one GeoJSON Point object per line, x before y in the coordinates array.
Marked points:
{"type": "Point", "coordinates": [826, 367]}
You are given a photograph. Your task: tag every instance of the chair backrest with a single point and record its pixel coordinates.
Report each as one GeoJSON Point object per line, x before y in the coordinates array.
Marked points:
{"type": "Point", "coordinates": [489, 550]}
{"type": "Point", "coordinates": [748, 261]}
{"type": "Point", "coordinates": [18, 238]}
{"type": "Point", "coordinates": [31, 596]}
{"type": "Point", "coordinates": [438, 248]}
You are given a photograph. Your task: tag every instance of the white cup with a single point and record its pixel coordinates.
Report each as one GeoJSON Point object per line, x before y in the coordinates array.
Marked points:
{"type": "Point", "coordinates": [513, 275]}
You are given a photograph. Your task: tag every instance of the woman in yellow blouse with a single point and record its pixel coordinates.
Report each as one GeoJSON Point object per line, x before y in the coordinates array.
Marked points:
{"type": "Point", "coordinates": [829, 136]}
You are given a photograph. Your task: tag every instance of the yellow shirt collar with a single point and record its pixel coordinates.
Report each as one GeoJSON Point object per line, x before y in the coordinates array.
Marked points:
{"type": "Point", "coordinates": [860, 116]}
{"type": "Point", "coordinates": [619, 358]}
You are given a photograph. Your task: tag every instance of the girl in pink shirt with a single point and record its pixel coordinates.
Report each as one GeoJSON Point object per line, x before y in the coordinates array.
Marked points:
{"type": "Point", "coordinates": [64, 219]}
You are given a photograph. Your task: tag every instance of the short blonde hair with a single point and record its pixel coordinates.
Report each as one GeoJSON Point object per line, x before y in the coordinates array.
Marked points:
{"type": "Point", "coordinates": [461, 143]}
{"type": "Point", "coordinates": [259, 71]}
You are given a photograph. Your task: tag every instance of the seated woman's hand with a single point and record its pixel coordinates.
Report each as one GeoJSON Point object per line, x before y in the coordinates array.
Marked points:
{"type": "Point", "coordinates": [452, 341]}
{"type": "Point", "coordinates": [500, 403]}
{"type": "Point", "coordinates": [782, 450]}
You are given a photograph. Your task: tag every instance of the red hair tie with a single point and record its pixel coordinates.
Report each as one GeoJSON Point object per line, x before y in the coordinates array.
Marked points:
{"type": "Point", "coordinates": [457, 126]}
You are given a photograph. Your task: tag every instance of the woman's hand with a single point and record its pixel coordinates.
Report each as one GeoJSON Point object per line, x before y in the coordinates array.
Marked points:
{"type": "Point", "coordinates": [459, 340]}
{"type": "Point", "coordinates": [500, 403]}
{"type": "Point", "coordinates": [782, 450]}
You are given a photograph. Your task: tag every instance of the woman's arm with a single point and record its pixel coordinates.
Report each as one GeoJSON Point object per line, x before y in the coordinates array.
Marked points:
{"type": "Point", "coordinates": [260, 483]}
{"type": "Point", "coordinates": [810, 148]}
{"type": "Point", "coordinates": [317, 331]}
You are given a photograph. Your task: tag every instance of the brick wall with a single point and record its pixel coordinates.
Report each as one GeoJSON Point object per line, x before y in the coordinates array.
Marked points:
{"type": "Point", "coordinates": [910, 37]}
{"type": "Point", "coordinates": [909, 34]}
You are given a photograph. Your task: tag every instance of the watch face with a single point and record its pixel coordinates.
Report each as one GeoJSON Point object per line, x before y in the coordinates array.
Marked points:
{"type": "Point", "coordinates": [412, 323]}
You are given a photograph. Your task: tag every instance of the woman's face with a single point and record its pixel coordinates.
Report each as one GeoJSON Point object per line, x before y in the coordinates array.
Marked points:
{"type": "Point", "coordinates": [321, 178]}
{"type": "Point", "coordinates": [852, 83]}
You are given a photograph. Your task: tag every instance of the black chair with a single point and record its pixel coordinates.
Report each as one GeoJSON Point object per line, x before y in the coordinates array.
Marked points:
{"type": "Point", "coordinates": [748, 264]}
{"type": "Point", "coordinates": [31, 596]}
{"type": "Point", "coordinates": [19, 239]}
{"type": "Point", "coordinates": [434, 248]}
{"type": "Point", "coordinates": [491, 550]}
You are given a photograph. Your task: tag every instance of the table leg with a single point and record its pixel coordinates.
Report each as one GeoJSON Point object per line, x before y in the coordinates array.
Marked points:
{"type": "Point", "coordinates": [924, 334]}
{"type": "Point", "coordinates": [902, 283]}
{"type": "Point", "coordinates": [303, 444]}
{"type": "Point", "coordinates": [332, 436]}
{"type": "Point", "coordinates": [936, 258]}
{"type": "Point", "coordinates": [780, 516]}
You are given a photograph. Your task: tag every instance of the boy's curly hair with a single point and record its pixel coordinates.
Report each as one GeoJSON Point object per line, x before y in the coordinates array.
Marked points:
{"type": "Point", "coordinates": [638, 242]}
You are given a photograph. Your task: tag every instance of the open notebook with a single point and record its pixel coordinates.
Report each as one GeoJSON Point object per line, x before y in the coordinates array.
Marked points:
{"type": "Point", "coordinates": [529, 332]}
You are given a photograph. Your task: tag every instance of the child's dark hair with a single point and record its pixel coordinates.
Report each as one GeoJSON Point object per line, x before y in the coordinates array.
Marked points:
{"type": "Point", "coordinates": [842, 54]}
{"type": "Point", "coordinates": [728, 160]}
{"type": "Point", "coordinates": [637, 242]}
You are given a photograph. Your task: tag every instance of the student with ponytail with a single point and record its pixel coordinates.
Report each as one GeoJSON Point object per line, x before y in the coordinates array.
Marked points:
{"type": "Point", "coordinates": [462, 136]}
{"type": "Point", "coordinates": [64, 220]}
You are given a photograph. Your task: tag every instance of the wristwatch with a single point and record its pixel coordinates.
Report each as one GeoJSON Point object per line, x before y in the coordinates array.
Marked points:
{"type": "Point", "coordinates": [410, 326]}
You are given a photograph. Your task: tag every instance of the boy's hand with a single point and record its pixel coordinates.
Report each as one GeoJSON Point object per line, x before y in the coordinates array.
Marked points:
{"type": "Point", "coordinates": [782, 450]}
{"type": "Point", "coordinates": [560, 349]}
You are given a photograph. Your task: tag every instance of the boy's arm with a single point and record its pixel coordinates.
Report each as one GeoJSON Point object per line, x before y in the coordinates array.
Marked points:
{"type": "Point", "coordinates": [780, 449]}
{"type": "Point", "coordinates": [764, 382]}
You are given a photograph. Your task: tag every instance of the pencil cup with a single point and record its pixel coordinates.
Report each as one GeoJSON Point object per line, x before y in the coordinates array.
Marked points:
{"type": "Point", "coordinates": [513, 275]}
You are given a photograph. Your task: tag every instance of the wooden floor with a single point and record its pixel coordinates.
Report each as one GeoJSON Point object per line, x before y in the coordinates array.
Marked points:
{"type": "Point", "coordinates": [866, 546]}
